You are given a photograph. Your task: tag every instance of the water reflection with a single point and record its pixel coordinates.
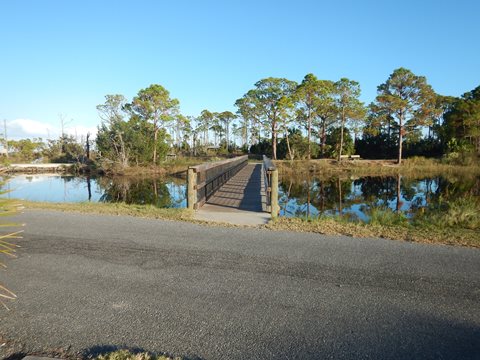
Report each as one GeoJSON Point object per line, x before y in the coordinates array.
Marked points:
{"type": "Point", "coordinates": [160, 192]}
{"type": "Point", "coordinates": [355, 197]}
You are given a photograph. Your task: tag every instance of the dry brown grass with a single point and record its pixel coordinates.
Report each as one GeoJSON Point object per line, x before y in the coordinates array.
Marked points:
{"type": "Point", "coordinates": [145, 211]}
{"type": "Point", "coordinates": [413, 166]}
{"type": "Point", "coordinates": [446, 236]}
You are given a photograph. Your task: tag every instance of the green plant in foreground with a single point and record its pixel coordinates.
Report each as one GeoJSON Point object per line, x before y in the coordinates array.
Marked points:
{"type": "Point", "coordinates": [127, 355]}
{"type": "Point", "coordinates": [384, 216]}
{"type": "Point", "coordinates": [461, 213]}
{"type": "Point", "coordinates": [7, 248]}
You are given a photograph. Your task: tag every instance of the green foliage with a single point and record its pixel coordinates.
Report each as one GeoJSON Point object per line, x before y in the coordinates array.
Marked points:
{"type": "Point", "coordinates": [26, 149]}
{"type": "Point", "coordinates": [407, 99]}
{"type": "Point", "coordinates": [462, 122]}
{"type": "Point", "coordinates": [455, 213]}
{"type": "Point", "coordinates": [333, 143]}
{"type": "Point", "coordinates": [316, 106]}
{"type": "Point", "coordinates": [349, 108]}
{"type": "Point", "coordinates": [271, 101]}
{"type": "Point", "coordinates": [154, 106]}
{"type": "Point", "coordinates": [66, 149]}
{"type": "Point", "coordinates": [384, 216]}
{"type": "Point", "coordinates": [139, 139]}
{"type": "Point", "coordinates": [299, 146]}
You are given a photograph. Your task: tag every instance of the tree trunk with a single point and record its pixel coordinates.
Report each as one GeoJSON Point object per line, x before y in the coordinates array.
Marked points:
{"type": "Point", "coordinates": [274, 141]}
{"type": "Point", "coordinates": [88, 146]}
{"type": "Point", "coordinates": [155, 135]}
{"type": "Point", "coordinates": [324, 138]}
{"type": "Point", "coordinates": [288, 144]}
{"type": "Point", "coordinates": [400, 139]}
{"type": "Point", "coordinates": [309, 156]}
{"type": "Point", "coordinates": [341, 137]}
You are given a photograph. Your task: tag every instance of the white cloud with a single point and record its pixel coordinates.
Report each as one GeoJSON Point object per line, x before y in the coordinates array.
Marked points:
{"type": "Point", "coordinates": [81, 131]}
{"type": "Point", "coordinates": [27, 128]}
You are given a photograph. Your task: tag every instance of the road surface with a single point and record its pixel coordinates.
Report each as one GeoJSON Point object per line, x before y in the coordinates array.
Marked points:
{"type": "Point", "coordinates": [98, 282]}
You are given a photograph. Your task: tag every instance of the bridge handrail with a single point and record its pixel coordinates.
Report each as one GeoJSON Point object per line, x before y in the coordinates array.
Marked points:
{"type": "Point", "coordinates": [205, 179]}
{"type": "Point", "coordinates": [270, 176]}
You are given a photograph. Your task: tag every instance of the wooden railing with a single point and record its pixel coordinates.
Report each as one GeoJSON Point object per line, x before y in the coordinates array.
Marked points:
{"type": "Point", "coordinates": [203, 180]}
{"type": "Point", "coordinates": [270, 174]}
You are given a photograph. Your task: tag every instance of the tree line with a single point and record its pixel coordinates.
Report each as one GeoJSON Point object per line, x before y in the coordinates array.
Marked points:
{"type": "Point", "coordinates": [315, 118]}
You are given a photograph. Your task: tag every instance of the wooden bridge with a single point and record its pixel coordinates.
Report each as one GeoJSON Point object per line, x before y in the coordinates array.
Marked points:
{"type": "Point", "coordinates": [234, 191]}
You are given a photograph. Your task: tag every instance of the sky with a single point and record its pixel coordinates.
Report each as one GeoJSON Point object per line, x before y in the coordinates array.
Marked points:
{"type": "Point", "coordinates": [60, 58]}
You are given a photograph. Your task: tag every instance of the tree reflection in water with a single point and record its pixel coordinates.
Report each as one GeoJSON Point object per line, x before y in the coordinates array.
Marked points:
{"type": "Point", "coordinates": [145, 191]}
{"type": "Point", "coordinates": [356, 197]}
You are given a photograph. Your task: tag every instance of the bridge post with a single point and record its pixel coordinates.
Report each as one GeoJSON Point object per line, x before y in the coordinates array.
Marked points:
{"type": "Point", "coordinates": [191, 188]}
{"type": "Point", "coordinates": [274, 194]}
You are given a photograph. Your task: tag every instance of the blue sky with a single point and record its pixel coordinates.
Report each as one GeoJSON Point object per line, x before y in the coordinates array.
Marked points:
{"type": "Point", "coordinates": [65, 56]}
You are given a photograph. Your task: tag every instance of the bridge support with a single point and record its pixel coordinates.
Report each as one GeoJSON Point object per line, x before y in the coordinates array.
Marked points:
{"type": "Point", "coordinates": [191, 188]}
{"type": "Point", "coordinates": [271, 186]}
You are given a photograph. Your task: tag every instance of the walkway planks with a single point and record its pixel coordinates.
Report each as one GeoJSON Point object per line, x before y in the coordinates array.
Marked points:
{"type": "Point", "coordinates": [240, 201]}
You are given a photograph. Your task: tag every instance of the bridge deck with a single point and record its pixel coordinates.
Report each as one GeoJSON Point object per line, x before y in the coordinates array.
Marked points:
{"type": "Point", "coordinates": [240, 201]}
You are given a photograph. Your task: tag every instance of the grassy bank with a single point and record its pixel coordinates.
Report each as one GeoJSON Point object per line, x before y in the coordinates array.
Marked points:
{"type": "Point", "coordinates": [416, 233]}
{"type": "Point", "coordinates": [411, 166]}
{"type": "Point", "coordinates": [145, 211]}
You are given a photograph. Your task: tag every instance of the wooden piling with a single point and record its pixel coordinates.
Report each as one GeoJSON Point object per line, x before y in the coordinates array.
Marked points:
{"type": "Point", "coordinates": [274, 194]}
{"type": "Point", "coordinates": [191, 188]}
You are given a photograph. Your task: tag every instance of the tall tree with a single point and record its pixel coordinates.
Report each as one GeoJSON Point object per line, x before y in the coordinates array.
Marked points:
{"type": "Point", "coordinates": [155, 105]}
{"type": "Point", "coordinates": [306, 95]}
{"type": "Point", "coordinates": [349, 107]}
{"type": "Point", "coordinates": [226, 117]}
{"type": "Point", "coordinates": [206, 120]}
{"type": "Point", "coordinates": [408, 99]}
{"type": "Point", "coordinates": [268, 99]}
{"type": "Point", "coordinates": [325, 109]}
{"type": "Point", "coordinates": [463, 119]}
{"type": "Point", "coordinates": [248, 110]}
{"type": "Point", "coordinates": [110, 138]}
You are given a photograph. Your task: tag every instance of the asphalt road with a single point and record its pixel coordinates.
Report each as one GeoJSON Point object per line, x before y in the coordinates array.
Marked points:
{"type": "Point", "coordinates": [97, 282]}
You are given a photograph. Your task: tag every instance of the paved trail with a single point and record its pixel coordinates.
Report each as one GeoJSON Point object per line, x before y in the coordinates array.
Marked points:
{"type": "Point", "coordinates": [95, 282]}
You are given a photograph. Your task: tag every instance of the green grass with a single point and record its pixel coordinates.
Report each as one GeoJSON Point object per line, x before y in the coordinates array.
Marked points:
{"type": "Point", "coordinates": [384, 216]}
{"type": "Point", "coordinates": [463, 213]}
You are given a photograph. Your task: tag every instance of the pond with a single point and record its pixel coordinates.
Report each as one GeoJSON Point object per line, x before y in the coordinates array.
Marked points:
{"type": "Point", "coordinates": [352, 197]}
{"type": "Point", "coordinates": [356, 197]}
{"type": "Point", "coordinates": [161, 192]}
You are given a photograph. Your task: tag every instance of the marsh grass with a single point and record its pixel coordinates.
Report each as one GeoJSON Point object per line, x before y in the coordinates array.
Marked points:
{"type": "Point", "coordinates": [409, 167]}
{"type": "Point", "coordinates": [415, 233]}
{"type": "Point", "coordinates": [463, 213]}
{"type": "Point", "coordinates": [384, 216]}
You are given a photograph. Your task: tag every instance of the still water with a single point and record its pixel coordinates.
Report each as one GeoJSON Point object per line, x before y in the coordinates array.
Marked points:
{"type": "Point", "coordinates": [357, 197]}
{"type": "Point", "coordinates": [161, 192]}
{"type": "Point", "coordinates": [310, 197]}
